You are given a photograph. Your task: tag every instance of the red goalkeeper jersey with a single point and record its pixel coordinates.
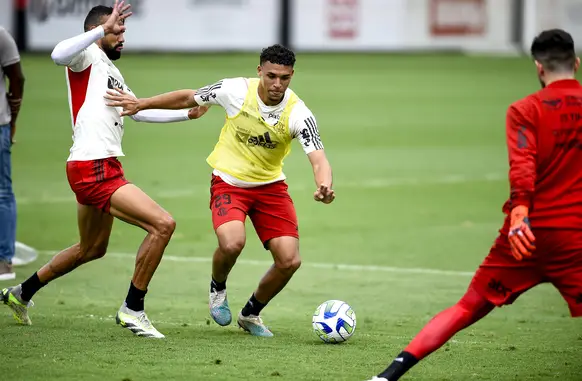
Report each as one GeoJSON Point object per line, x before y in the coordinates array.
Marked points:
{"type": "Point", "coordinates": [544, 141]}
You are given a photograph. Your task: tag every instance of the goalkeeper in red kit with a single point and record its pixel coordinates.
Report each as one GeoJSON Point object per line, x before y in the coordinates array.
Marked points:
{"type": "Point", "coordinates": [541, 239]}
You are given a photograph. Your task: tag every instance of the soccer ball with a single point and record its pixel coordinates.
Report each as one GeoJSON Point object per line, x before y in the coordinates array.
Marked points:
{"type": "Point", "coordinates": [334, 321]}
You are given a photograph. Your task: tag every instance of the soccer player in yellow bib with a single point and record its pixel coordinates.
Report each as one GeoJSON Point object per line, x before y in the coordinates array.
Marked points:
{"type": "Point", "coordinates": [262, 117]}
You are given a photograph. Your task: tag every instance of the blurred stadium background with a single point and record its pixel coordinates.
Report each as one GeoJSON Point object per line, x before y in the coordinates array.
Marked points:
{"type": "Point", "coordinates": [410, 97]}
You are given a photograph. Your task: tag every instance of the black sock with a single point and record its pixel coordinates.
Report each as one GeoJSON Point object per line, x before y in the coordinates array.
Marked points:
{"type": "Point", "coordinates": [253, 307]}
{"type": "Point", "coordinates": [401, 364]}
{"type": "Point", "coordinates": [30, 287]}
{"type": "Point", "coordinates": [135, 298]}
{"type": "Point", "coordinates": [217, 286]}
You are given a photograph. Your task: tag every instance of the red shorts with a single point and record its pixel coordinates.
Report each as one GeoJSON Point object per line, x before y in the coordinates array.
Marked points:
{"type": "Point", "coordinates": [557, 259]}
{"type": "Point", "coordinates": [94, 181]}
{"type": "Point", "coordinates": [269, 208]}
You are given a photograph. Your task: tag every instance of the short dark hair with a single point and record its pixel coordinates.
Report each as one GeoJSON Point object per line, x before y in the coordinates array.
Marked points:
{"type": "Point", "coordinates": [278, 54]}
{"type": "Point", "coordinates": [94, 16]}
{"type": "Point", "coordinates": [554, 49]}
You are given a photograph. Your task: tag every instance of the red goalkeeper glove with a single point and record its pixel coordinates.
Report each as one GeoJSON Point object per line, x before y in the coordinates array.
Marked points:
{"type": "Point", "coordinates": [521, 238]}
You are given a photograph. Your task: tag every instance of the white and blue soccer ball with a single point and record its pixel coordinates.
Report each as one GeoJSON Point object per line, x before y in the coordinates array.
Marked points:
{"type": "Point", "coordinates": [334, 321]}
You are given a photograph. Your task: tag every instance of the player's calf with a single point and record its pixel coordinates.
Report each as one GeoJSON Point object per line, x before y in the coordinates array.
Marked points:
{"type": "Point", "coordinates": [231, 241]}
{"type": "Point", "coordinates": [71, 258]}
{"type": "Point", "coordinates": [225, 256]}
{"type": "Point", "coordinates": [95, 228]}
{"type": "Point", "coordinates": [148, 258]}
{"type": "Point", "coordinates": [287, 261]}
{"type": "Point", "coordinates": [471, 308]}
{"type": "Point", "coordinates": [217, 298]}
{"type": "Point", "coordinates": [132, 205]}
{"type": "Point", "coordinates": [94, 231]}
{"type": "Point", "coordinates": [270, 285]}
{"type": "Point", "coordinates": [285, 251]}
{"type": "Point", "coordinates": [152, 249]}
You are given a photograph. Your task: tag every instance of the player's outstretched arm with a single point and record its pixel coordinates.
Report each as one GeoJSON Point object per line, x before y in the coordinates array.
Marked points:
{"type": "Point", "coordinates": [158, 115]}
{"type": "Point", "coordinates": [66, 51]}
{"type": "Point", "coordinates": [175, 100]}
{"type": "Point", "coordinates": [198, 101]}
{"type": "Point", "coordinates": [323, 176]}
{"type": "Point", "coordinates": [169, 116]}
{"type": "Point", "coordinates": [161, 116]}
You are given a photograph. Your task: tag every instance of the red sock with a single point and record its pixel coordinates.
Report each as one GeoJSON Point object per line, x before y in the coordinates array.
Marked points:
{"type": "Point", "coordinates": [471, 308]}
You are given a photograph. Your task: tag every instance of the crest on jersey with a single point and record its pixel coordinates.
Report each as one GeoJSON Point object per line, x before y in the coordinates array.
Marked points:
{"type": "Point", "coordinates": [552, 104]}
{"type": "Point", "coordinates": [113, 83]}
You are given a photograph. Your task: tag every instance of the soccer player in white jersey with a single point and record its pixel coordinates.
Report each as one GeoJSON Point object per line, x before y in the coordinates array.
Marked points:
{"type": "Point", "coordinates": [96, 176]}
{"type": "Point", "coordinates": [263, 116]}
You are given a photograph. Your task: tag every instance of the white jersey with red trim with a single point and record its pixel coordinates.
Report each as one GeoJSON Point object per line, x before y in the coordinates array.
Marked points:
{"type": "Point", "coordinates": [97, 128]}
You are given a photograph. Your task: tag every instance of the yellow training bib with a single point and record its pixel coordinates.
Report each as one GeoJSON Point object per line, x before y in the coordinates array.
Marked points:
{"type": "Point", "coordinates": [250, 149]}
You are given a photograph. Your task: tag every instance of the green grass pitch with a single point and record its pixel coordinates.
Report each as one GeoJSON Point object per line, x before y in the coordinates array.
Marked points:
{"type": "Point", "coordinates": [417, 145]}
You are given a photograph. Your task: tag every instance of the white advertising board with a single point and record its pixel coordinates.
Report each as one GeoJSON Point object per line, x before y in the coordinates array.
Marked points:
{"type": "Point", "coordinates": [348, 24]}
{"type": "Point", "coordinates": [6, 13]}
{"type": "Point", "coordinates": [165, 25]}
{"type": "Point", "coordinates": [482, 25]}
{"type": "Point", "coordinates": [548, 14]}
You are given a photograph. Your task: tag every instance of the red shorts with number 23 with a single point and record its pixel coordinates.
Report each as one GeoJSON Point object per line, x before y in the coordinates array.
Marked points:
{"type": "Point", "coordinates": [269, 207]}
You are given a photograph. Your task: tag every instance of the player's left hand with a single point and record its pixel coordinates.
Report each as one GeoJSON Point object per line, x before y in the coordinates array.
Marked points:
{"type": "Point", "coordinates": [324, 194]}
{"type": "Point", "coordinates": [520, 237]}
{"type": "Point", "coordinates": [120, 98]}
{"type": "Point", "coordinates": [197, 112]}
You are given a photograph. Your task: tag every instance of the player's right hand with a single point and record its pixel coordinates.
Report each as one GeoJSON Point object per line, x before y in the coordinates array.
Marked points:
{"type": "Point", "coordinates": [324, 194]}
{"type": "Point", "coordinates": [115, 22]}
{"type": "Point", "coordinates": [520, 236]}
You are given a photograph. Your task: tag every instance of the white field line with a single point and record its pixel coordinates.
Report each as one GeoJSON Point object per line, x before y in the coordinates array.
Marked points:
{"type": "Point", "coordinates": [322, 266]}
{"type": "Point", "coordinates": [379, 183]}
{"type": "Point", "coordinates": [111, 320]}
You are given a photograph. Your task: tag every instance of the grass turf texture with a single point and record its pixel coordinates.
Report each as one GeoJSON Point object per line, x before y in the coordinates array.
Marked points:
{"type": "Point", "coordinates": [417, 147]}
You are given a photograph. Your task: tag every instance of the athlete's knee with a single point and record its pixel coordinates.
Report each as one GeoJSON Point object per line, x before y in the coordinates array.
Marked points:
{"type": "Point", "coordinates": [97, 252]}
{"type": "Point", "coordinates": [164, 226]}
{"type": "Point", "coordinates": [231, 238]}
{"type": "Point", "coordinates": [474, 304]}
{"type": "Point", "coordinates": [286, 256]}
{"type": "Point", "coordinates": [91, 251]}
{"type": "Point", "coordinates": [289, 264]}
{"type": "Point", "coordinates": [232, 247]}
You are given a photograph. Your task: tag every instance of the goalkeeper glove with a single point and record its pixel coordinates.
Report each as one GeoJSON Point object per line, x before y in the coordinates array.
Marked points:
{"type": "Point", "coordinates": [520, 236]}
